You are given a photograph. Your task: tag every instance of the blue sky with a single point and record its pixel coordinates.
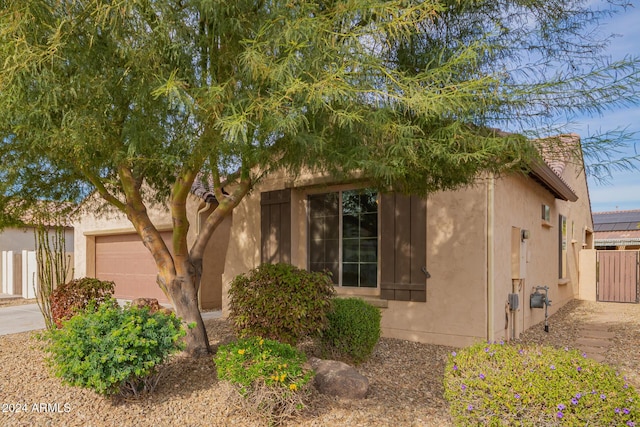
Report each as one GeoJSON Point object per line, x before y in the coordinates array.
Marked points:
{"type": "Point", "coordinates": [623, 190]}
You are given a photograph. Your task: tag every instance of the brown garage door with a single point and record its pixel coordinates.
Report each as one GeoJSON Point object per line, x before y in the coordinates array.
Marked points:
{"type": "Point", "coordinates": [123, 259]}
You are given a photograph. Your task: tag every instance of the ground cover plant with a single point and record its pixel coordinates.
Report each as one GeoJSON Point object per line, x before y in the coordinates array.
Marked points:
{"type": "Point", "coordinates": [112, 349]}
{"type": "Point", "coordinates": [267, 378]}
{"type": "Point", "coordinates": [497, 384]}
{"type": "Point", "coordinates": [281, 302]}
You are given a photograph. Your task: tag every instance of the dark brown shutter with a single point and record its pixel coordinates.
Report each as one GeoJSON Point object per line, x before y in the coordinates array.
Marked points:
{"type": "Point", "coordinates": [403, 222]}
{"type": "Point", "coordinates": [275, 218]}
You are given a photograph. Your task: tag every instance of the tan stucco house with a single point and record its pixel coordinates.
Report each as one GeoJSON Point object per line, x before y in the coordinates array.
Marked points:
{"type": "Point", "coordinates": [442, 269]}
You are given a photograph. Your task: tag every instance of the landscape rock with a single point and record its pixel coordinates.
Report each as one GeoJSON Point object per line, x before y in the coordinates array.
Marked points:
{"type": "Point", "coordinates": [338, 379]}
{"type": "Point", "coordinates": [152, 303]}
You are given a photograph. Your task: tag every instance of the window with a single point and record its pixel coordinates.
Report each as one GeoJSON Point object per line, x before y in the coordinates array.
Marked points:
{"type": "Point", "coordinates": [562, 249]}
{"type": "Point", "coordinates": [343, 236]}
{"type": "Point", "coordinates": [546, 213]}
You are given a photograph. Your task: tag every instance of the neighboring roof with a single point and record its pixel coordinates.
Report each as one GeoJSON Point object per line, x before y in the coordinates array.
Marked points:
{"type": "Point", "coordinates": [616, 228]}
{"type": "Point", "coordinates": [625, 235]}
{"type": "Point", "coordinates": [616, 220]}
{"type": "Point", "coordinates": [616, 238]}
{"type": "Point", "coordinates": [48, 213]}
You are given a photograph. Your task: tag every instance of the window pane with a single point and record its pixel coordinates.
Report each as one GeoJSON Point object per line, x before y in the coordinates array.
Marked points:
{"type": "Point", "coordinates": [350, 203]}
{"type": "Point", "coordinates": [324, 233]}
{"type": "Point", "coordinates": [368, 201]}
{"type": "Point", "coordinates": [350, 226]}
{"type": "Point", "coordinates": [368, 275]}
{"type": "Point", "coordinates": [369, 250]}
{"type": "Point", "coordinates": [369, 225]}
{"type": "Point", "coordinates": [350, 250]}
{"type": "Point", "coordinates": [350, 274]}
{"type": "Point", "coordinates": [332, 250]}
{"type": "Point", "coordinates": [316, 252]}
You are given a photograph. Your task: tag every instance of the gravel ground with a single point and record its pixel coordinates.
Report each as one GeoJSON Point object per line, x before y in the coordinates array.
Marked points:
{"type": "Point", "coordinates": [405, 382]}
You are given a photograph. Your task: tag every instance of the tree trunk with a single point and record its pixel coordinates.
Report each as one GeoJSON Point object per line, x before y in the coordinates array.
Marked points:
{"type": "Point", "coordinates": [184, 296]}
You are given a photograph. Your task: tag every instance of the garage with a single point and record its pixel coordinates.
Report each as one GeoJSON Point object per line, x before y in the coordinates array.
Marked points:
{"type": "Point", "coordinates": [123, 259]}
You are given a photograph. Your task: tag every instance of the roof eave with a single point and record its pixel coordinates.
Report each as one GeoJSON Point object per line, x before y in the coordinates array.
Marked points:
{"type": "Point", "coordinates": [544, 175]}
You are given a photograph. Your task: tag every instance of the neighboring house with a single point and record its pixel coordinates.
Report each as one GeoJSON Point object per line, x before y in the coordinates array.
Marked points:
{"type": "Point", "coordinates": [617, 230]}
{"type": "Point", "coordinates": [18, 265]}
{"type": "Point", "coordinates": [442, 269]}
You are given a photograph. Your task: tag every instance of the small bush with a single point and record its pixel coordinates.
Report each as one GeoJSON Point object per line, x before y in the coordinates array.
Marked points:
{"type": "Point", "coordinates": [353, 330]}
{"type": "Point", "coordinates": [268, 379]}
{"type": "Point", "coordinates": [504, 385]}
{"type": "Point", "coordinates": [281, 302]}
{"type": "Point", "coordinates": [72, 297]}
{"type": "Point", "coordinates": [111, 349]}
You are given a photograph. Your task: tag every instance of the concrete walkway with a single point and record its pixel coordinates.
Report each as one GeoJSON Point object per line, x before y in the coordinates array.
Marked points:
{"type": "Point", "coordinates": [27, 317]}
{"type": "Point", "coordinates": [20, 318]}
{"type": "Point", "coordinates": [595, 336]}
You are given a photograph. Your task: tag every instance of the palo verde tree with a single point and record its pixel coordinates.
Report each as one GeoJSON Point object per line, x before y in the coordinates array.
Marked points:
{"type": "Point", "coordinates": [133, 99]}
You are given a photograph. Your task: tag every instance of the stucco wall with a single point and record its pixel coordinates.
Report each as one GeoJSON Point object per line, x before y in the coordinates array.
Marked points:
{"type": "Point", "coordinates": [18, 239]}
{"type": "Point", "coordinates": [588, 279]}
{"type": "Point", "coordinates": [455, 311]}
{"type": "Point", "coordinates": [19, 278]}
{"type": "Point", "coordinates": [519, 204]}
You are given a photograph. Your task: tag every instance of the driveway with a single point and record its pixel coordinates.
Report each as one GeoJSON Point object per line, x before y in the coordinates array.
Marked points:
{"type": "Point", "coordinates": [22, 318]}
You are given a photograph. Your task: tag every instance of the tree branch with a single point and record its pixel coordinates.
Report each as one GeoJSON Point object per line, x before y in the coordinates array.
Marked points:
{"type": "Point", "coordinates": [137, 213]}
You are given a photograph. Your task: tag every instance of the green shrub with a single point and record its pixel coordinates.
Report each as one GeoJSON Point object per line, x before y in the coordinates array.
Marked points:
{"type": "Point", "coordinates": [281, 302]}
{"type": "Point", "coordinates": [505, 385]}
{"type": "Point", "coordinates": [72, 297]}
{"type": "Point", "coordinates": [267, 378]}
{"type": "Point", "coordinates": [353, 330]}
{"type": "Point", "coordinates": [111, 349]}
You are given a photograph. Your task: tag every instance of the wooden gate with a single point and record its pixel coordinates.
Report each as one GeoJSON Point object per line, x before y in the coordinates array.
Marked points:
{"type": "Point", "coordinates": [617, 273]}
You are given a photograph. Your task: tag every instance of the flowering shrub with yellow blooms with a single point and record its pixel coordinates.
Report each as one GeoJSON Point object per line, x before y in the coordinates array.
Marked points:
{"type": "Point", "coordinates": [266, 378]}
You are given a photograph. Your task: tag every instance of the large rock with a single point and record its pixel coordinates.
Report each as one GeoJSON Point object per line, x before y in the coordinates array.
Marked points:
{"type": "Point", "coordinates": [152, 304]}
{"type": "Point", "coordinates": [338, 379]}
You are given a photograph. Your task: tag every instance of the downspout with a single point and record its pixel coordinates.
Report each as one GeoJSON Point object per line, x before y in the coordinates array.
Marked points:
{"type": "Point", "coordinates": [204, 208]}
{"type": "Point", "coordinates": [490, 260]}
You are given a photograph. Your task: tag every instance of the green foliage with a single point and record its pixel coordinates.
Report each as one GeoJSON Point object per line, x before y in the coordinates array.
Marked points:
{"type": "Point", "coordinates": [98, 97]}
{"type": "Point", "coordinates": [268, 376]}
{"type": "Point", "coordinates": [353, 330]}
{"type": "Point", "coordinates": [281, 302]}
{"type": "Point", "coordinates": [399, 91]}
{"type": "Point", "coordinates": [74, 296]}
{"type": "Point", "coordinates": [111, 349]}
{"type": "Point", "coordinates": [505, 385]}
